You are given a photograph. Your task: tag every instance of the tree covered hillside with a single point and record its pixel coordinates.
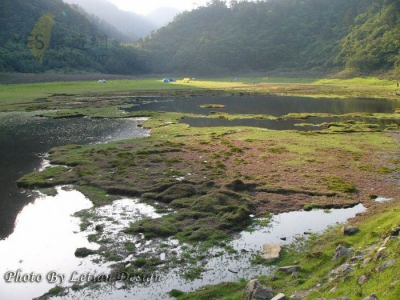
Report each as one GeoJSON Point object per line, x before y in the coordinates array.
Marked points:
{"type": "Point", "coordinates": [269, 35]}
{"type": "Point", "coordinates": [355, 36]}
{"type": "Point", "coordinates": [41, 35]}
{"type": "Point", "coordinates": [374, 40]}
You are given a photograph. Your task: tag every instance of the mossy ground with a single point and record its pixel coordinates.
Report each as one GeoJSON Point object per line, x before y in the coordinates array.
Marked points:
{"type": "Point", "coordinates": [240, 170]}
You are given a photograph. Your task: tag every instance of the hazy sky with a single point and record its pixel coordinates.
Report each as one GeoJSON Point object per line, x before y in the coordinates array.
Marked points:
{"type": "Point", "coordinates": [146, 6]}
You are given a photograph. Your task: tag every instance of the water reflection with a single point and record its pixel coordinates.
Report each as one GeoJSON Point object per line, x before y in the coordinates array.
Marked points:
{"type": "Point", "coordinates": [23, 140]}
{"type": "Point", "coordinates": [267, 104]}
{"type": "Point", "coordinates": [44, 241]}
{"type": "Point", "coordinates": [276, 106]}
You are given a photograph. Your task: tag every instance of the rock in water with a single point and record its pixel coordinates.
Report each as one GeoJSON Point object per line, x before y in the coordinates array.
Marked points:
{"type": "Point", "coordinates": [271, 251]}
{"type": "Point", "coordinates": [255, 290]}
{"type": "Point", "coordinates": [84, 252]}
{"type": "Point", "coordinates": [120, 285]}
{"type": "Point", "coordinates": [99, 227]}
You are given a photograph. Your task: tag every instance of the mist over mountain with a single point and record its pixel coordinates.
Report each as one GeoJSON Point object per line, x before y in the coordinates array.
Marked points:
{"type": "Point", "coordinates": [127, 22]}
{"type": "Point", "coordinates": [162, 16]}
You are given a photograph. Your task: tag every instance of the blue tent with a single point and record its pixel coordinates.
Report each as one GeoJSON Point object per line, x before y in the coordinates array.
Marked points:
{"type": "Point", "coordinates": [165, 80]}
{"type": "Point", "coordinates": [172, 80]}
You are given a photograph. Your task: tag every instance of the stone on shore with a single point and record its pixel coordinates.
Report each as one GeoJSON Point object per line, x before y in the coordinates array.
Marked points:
{"type": "Point", "coordinates": [363, 279]}
{"type": "Point", "coordinates": [350, 230]}
{"type": "Point", "coordinates": [386, 265]}
{"type": "Point", "coordinates": [371, 297]}
{"type": "Point", "coordinates": [280, 296]}
{"type": "Point", "coordinates": [290, 269]}
{"type": "Point", "coordinates": [255, 290]}
{"type": "Point", "coordinates": [341, 251]}
{"type": "Point", "coordinates": [396, 231]}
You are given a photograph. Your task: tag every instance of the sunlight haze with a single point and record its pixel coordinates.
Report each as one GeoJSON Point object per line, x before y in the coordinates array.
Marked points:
{"type": "Point", "coordinates": [146, 7]}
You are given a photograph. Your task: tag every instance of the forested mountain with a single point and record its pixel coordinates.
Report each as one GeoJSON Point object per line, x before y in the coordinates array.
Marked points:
{"type": "Point", "coordinates": [373, 43]}
{"type": "Point", "coordinates": [350, 36]}
{"type": "Point", "coordinates": [41, 35]}
{"type": "Point", "coordinates": [321, 35]}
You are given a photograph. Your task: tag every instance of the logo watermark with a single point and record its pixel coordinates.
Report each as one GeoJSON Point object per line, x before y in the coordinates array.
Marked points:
{"type": "Point", "coordinates": [65, 48]}
{"type": "Point", "coordinates": [40, 36]}
{"type": "Point", "coordinates": [55, 277]}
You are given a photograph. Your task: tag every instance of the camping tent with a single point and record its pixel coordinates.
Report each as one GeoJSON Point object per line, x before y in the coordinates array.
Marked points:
{"type": "Point", "coordinates": [172, 80]}
{"type": "Point", "coordinates": [165, 80]}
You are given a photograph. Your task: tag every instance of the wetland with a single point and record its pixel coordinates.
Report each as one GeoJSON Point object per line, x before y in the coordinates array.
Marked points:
{"type": "Point", "coordinates": [212, 168]}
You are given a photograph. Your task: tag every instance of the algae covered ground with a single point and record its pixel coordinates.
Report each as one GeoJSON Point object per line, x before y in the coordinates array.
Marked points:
{"type": "Point", "coordinates": [208, 182]}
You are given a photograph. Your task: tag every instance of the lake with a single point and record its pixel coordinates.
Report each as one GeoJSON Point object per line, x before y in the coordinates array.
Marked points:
{"type": "Point", "coordinates": [264, 104]}
{"type": "Point", "coordinates": [275, 106]}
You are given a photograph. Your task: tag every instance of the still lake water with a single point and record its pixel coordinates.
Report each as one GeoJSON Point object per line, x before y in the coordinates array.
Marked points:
{"type": "Point", "coordinates": [269, 105]}
{"type": "Point", "coordinates": [24, 140]}
{"type": "Point", "coordinates": [276, 106]}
